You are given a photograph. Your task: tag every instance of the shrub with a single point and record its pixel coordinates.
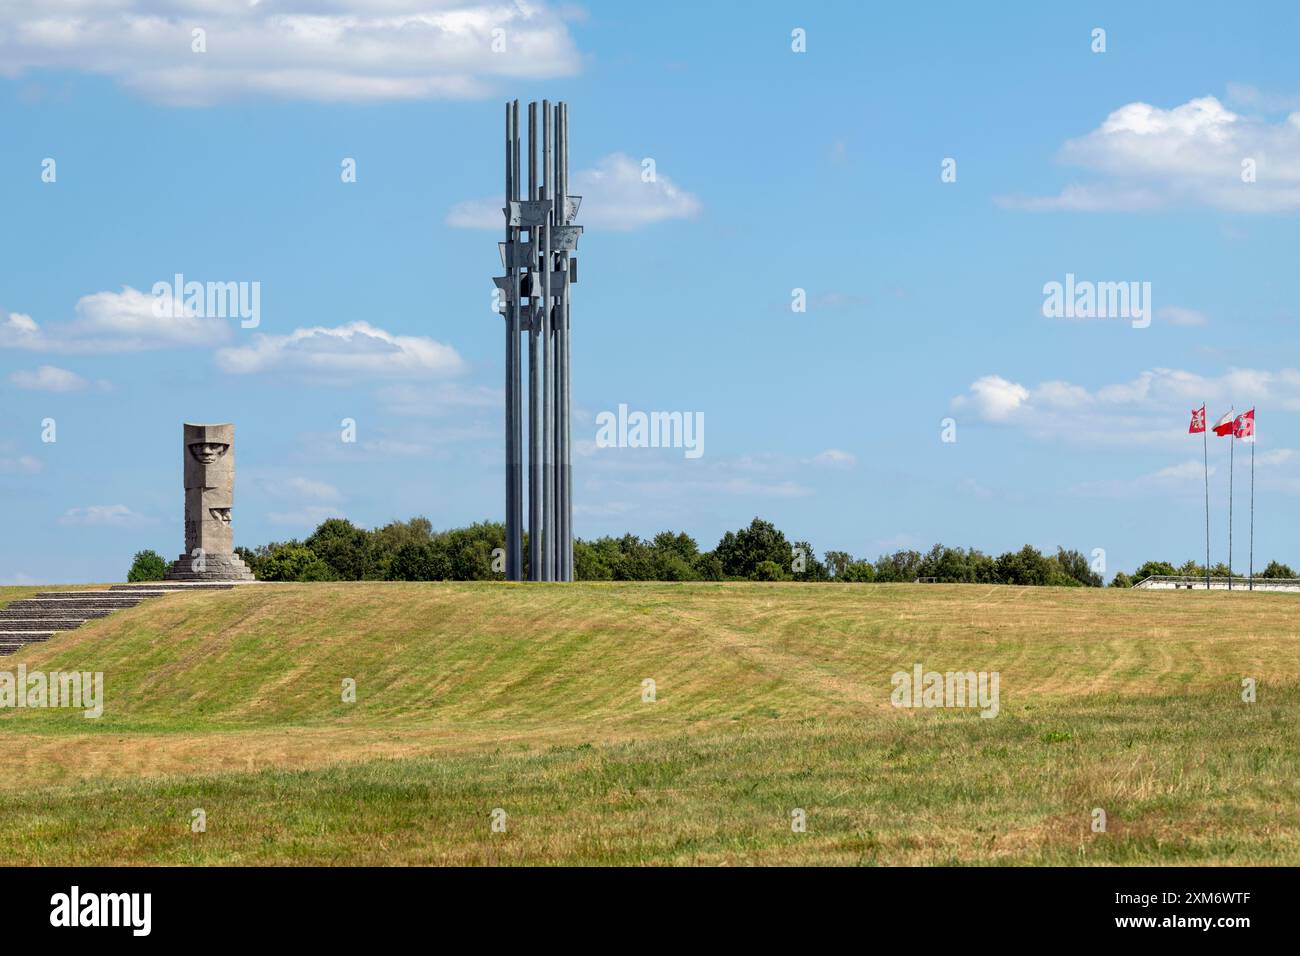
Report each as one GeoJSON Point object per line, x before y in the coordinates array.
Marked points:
{"type": "Point", "coordinates": [147, 566]}
{"type": "Point", "coordinates": [293, 562]}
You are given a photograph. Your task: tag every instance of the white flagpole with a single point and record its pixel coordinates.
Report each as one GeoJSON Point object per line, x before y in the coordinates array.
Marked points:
{"type": "Point", "coordinates": [1205, 451]}
{"type": "Point", "coordinates": [1231, 457]}
{"type": "Point", "coordinates": [1252, 503]}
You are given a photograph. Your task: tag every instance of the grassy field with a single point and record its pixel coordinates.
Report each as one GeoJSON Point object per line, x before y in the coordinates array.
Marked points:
{"type": "Point", "coordinates": [770, 698]}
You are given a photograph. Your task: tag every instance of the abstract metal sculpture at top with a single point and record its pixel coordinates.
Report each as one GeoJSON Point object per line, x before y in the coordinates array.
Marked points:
{"type": "Point", "coordinates": [534, 297]}
{"type": "Point", "coordinates": [209, 455]}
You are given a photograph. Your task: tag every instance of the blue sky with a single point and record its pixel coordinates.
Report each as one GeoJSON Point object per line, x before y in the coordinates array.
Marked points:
{"type": "Point", "coordinates": [776, 171]}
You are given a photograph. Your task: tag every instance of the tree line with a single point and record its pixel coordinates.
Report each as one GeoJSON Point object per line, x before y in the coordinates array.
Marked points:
{"type": "Point", "coordinates": [413, 551]}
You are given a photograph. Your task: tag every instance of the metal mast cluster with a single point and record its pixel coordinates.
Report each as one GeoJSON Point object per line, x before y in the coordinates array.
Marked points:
{"type": "Point", "coordinates": [540, 271]}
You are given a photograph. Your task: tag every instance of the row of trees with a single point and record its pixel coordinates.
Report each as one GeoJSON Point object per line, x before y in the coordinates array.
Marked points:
{"type": "Point", "coordinates": [412, 551]}
{"type": "Point", "coordinates": [1275, 569]}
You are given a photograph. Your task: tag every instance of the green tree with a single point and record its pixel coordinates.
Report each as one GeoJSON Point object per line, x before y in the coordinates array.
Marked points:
{"type": "Point", "coordinates": [385, 542]}
{"type": "Point", "coordinates": [343, 546]}
{"type": "Point", "coordinates": [769, 571]}
{"type": "Point", "coordinates": [147, 566]}
{"type": "Point", "coordinates": [293, 562]}
{"type": "Point", "coordinates": [1075, 566]}
{"type": "Point", "coordinates": [420, 562]}
{"type": "Point", "coordinates": [1276, 569]}
{"type": "Point", "coordinates": [1153, 567]}
{"type": "Point", "coordinates": [708, 567]}
{"type": "Point", "coordinates": [741, 552]}
{"type": "Point", "coordinates": [901, 566]}
{"type": "Point", "coordinates": [1026, 567]}
{"type": "Point", "coordinates": [1121, 580]}
{"type": "Point", "coordinates": [857, 572]}
{"type": "Point", "coordinates": [813, 570]}
{"type": "Point", "coordinates": [836, 562]}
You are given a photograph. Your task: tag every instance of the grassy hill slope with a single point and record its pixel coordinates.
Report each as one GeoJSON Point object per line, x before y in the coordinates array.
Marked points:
{"type": "Point", "coordinates": [472, 697]}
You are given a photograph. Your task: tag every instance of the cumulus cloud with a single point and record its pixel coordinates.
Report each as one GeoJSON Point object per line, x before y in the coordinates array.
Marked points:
{"type": "Point", "coordinates": [993, 398]}
{"type": "Point", "coordinates": [614, 197]}
{"type": "Point", "coordinates": [1146, 157]}
{"type": "Point", "coordinates": [125, 321]}
{"type": "Point", "coordinates": [48, 378]}
{"type": "Point", "coordinates": [357, 348]}
{"type": "Point", "coordinates": [1153, 407]}
{"type": "Point", "coordinates": [360, 50]}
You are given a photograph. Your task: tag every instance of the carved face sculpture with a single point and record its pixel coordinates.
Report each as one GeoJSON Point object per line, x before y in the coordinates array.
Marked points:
{"type": "Point", "coordinates": [207, 453]}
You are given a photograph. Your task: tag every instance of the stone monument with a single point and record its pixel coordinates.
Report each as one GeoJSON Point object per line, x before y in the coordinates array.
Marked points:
{"type": "Point", "coordinates": [209, 456]}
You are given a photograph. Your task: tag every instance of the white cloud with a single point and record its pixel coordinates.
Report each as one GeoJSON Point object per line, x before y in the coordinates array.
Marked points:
{"type": "Point", "coordinates": [357, 348]}
{"type": "Point", "coordinates": [1184, 478]}
{"type": "Point", "coordinates": [1178, 315]}
{"type": "Point", "coordinates": [419, 401]}
{"type": "Point", "coordinates": [835, 458]}
{"type": "Point", "coordinates": [614, 198]}
{"type": "Point", "coordinates": [306, 517]}
{"type": "Point", "coordinates": [1153, 407]}
{"type": "Point", "coordinates": [1148, 157]}
{"type": "Point", "coordinates": [113, 322]}
{"type": "Point", "coordinates": [48, 378]}
{"type": "Point", "coordinates": [310, 489]}
{"type": "Point", "coordinates": [362, 50]}
{"type": "Point", "coordinates": [21, 465]}
{"type": "Point", "coordinates": [993, 398]}
{"type": "Point", "coordinates": [117, 516]}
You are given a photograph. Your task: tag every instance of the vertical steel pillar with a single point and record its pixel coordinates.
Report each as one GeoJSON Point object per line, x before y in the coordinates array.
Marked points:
{"type": "Point", "coordinates": [534, 380]}
{"type": "Point", "coordinates": [566, 460]}
{"type": "Point", "coordinates": [548, 350]}
{"type": "Point", "coordinates": [515, 542]}
{"type": "Point", "coordinates": [512, 347]}
{"type": "Point", "coordinates": [539, 269]}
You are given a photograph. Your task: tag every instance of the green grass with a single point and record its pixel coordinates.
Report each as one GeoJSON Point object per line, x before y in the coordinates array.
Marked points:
{"type": "Point", "coordinates": [473, 697]}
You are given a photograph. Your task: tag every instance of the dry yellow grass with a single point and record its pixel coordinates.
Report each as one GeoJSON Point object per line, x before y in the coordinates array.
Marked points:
{"type": "Point", "coordinates": [770, 698]}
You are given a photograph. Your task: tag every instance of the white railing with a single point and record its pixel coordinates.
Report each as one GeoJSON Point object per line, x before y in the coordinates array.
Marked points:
{"type": "Point", "coordinates": [1192, 582]}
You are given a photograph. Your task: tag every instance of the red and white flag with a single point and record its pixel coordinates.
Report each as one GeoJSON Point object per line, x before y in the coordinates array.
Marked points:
{"type": "Point", "coordinates": [1223, 427]}
{"type": "Point", "coordinates": [1198, 421]}
{"type": "Point", "coordinates": [1243, 426]}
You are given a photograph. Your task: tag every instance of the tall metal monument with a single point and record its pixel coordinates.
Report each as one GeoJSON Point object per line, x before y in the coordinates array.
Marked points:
{"type": "Point", "coordinates": [534, 295]}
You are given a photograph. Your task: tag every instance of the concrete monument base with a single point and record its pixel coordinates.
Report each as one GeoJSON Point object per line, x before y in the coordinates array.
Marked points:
{"type": "Point", "coordinates": [215, 567]}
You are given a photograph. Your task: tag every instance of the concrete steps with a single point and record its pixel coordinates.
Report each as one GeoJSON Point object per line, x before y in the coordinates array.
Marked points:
{"type": "Point", "coordinates": [40, 623]}
{"type": "Point", "coordinates": [54, 613]}
{"type": "Point", "coordinates": [173, 586]}
{"type": "Point", "coordinates": [11, 641]}
{"type": "Point", "coordinates": [38, 618]}
{"type": "Point", "coordinates": [64, 604]}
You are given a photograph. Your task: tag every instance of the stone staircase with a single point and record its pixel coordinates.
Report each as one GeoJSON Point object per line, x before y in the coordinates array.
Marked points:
{"type": "Point", "coordinates": [38, 618]}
